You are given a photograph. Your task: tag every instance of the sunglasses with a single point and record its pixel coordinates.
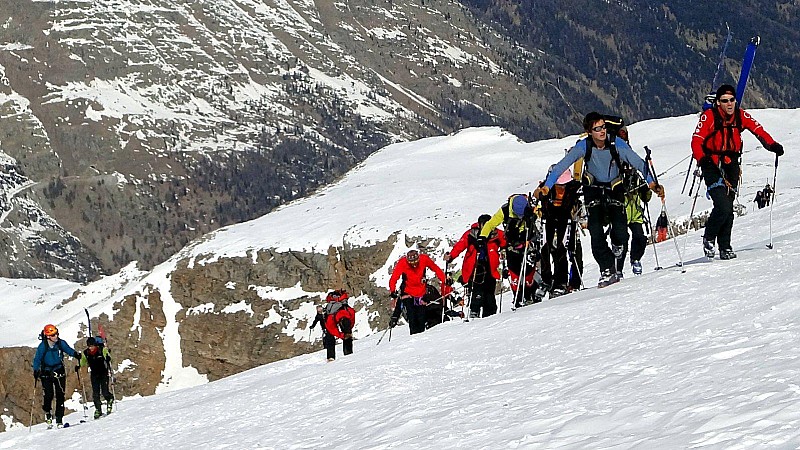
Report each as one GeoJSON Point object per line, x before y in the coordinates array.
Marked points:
{"type": "Point", "coordinates": [727, 100]}
{"type": "Point", "coordinates": [599, 128]}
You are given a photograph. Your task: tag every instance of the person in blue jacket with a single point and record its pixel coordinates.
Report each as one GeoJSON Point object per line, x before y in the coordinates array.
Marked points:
{"type": "Point", "coordinates": [603, 190]}
{"type": "Point", "coordinates": [48, 366]}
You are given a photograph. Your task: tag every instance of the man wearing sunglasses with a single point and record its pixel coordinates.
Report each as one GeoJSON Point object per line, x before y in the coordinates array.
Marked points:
{"type": "Point", "coordinates": [603, 190]}
{"type": "Point", "coordinates": [717, 147]}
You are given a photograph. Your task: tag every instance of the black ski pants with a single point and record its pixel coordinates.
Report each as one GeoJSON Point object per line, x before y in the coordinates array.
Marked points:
{"type": "Point", "coordinates": [481, 290]}
{"type": "Point", "coordinates": [720, 222]}
{"type": "Point", "coordinates": [604, 208]}
{"type": "Point", "coordinates": [100, 386]}
{"type": "Point", "coordinates": [54, 384]}
{"type": "Point", "coordinates": [415, 313]}
{"type": "Point", "coordinates": [556, 222]}
{"type": "Point", "coordinates": [575, 252]}
{"type": "Point", "coordinates": [329, 340]}
{"type": "Point", "coordinates": [638, 244]}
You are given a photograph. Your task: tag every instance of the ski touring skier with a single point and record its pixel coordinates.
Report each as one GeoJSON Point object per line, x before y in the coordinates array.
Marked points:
{"type": "Point", "coordinates": [717, 148]}
{"type": "Point", "coordinates": [577, 227]}
{"type": "Point", "coordinates": [98, 358]}
{"type": "Point", "coordinates": [523, 245]}
{"type": "Point", "coordinates": [637, 194]}
{"type": "Point", "coordinates": [408, 299]}
{"type": "Point", "coordinates": [557, 211]}
{"type": "Point", "coordinates": [337, 319]}
{"type": "Point", "coordinates": [480, 269]}
{"type": "Point", "coordinates": [603, 192]}
{"type": "Point", "coordinates": [48, 367]}
{"type": "Point", "coordinates": [764, 196]}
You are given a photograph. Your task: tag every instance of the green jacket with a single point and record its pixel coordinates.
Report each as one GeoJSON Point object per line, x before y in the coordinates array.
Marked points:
{"type": "Point", "coordinates": [633, 204]}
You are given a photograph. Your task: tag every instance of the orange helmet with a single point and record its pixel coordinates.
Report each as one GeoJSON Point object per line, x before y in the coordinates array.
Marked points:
{"type": "Point", "coordinates": [50, 330]}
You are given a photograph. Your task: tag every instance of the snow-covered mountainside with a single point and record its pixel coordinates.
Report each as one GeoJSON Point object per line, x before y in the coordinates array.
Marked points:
{"type": "Point", "coordinates": [142, 125]}
{"type": "Point", "coordinates": [244, 295]}
{"type": "Point", "coordinates": [705, 358]}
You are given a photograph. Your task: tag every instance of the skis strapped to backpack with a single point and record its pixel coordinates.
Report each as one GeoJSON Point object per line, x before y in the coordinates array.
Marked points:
{"type": "Point", "coordinates": [741, 86]}
{"type": "Point", "coordinates": [88, 322]}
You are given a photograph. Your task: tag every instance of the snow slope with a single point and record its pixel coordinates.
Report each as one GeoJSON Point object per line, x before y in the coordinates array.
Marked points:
{"type": "Point", "coordinates": [701, 359]}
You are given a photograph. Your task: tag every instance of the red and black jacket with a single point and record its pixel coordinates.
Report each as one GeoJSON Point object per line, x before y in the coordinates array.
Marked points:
{"type": "Point", "coordinates": [467, 242]}
{"type": "Point", "coordinates": [719, 136]}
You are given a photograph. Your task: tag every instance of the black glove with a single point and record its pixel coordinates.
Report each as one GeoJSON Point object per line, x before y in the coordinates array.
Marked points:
{"type": "Point", "coordinates": [505, 274]}
{"type": "Point", "coordinates": [776, 148]}
{"type": "Point", "coordinates": [393, 321]}
{"type": "Point", "coordinates": [77, 369]}
{"type": "Point", "coordinates": [447, 258]}
{"type": "Point", "coordinates": [108, 359]}
{"type": "Point", "coordinates": [448, 281]}
{"type": "Point", "coordinates": [394, 295]}
{"type": "Point", "coordinates": [36, 374]}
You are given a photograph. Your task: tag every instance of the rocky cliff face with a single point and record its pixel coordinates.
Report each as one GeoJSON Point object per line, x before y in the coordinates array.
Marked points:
{"type": "Point", "coordinates": [231, 315]}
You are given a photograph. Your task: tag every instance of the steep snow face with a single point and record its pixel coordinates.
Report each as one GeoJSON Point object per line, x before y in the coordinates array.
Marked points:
{"type": "Point", "coordinates": [705, 358]}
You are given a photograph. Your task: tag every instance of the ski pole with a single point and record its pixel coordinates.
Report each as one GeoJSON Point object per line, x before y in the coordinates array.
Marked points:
{"type": "Point", "coordinates": [446, 277]}
{"type": "Point", "coordinates": [691, 219]}
{"type": "Point", "coordinates": [772, 203]}
{"type": "Point", "coordinates": [686, 180]}
{"type": "Point", "coordinates": [382, 335]}
{"type": "Point", "coordinates": [502, 282]}
{"type": "Point", "coordinates": [83, 390]}
{"type": "Point", "coordinates": [33, 402]}
{"type": "Point", "coordinates": [650, 225]}
{"type": "Point", "coordinates": [524, 268]}
{"type": "Point", "coordinates": [652, 168]}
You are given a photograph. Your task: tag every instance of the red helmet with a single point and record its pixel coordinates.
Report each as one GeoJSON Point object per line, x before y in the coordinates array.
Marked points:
{"type": "Point", "coordinates": [50, 330]}
{"type": "Point", "coordinates": [337, 296]}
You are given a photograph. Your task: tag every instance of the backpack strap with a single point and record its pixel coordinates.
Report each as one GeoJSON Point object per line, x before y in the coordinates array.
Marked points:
{"type": "Point", "coordinates": [720, 127]}
{"type": "Point", "coordinates": [612, 147]}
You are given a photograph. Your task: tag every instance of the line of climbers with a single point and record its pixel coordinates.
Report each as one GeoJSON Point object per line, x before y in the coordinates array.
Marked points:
{"type": "Point", "coordinates": [600, 185]}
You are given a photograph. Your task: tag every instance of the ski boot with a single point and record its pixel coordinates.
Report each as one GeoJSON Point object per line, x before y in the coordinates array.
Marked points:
{"type": "Point", "coordinates": [541, 291]}
{"type": "Point", "coordinates": [708, 248]}
{"type": "Point", "coordinates": [727, 254]}
{"type": "Point", "coordinates": [637, 267]}
{"type": "Point", "coordinates": [109, 405]}
{"type": "Point", "coordinates": [607, 278]}
{"type": "Point", "coordinates": [48, 419]}
{"type": "Point", "coordinates": [558, 291]}
{"type": "Point", "coordinates": [98, 414]}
